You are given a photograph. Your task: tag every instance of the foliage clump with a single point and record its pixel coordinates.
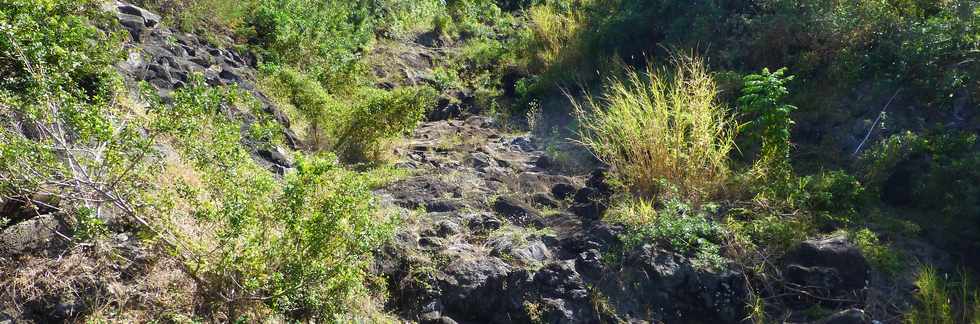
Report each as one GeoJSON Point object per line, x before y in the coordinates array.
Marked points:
{"type": "Point", "coordinates": [356, 127]}
{"type": "Point", "coordinates": [302, 245]}
{"type": "Point", "coordinates": [762, 96]}
{"type": "Point", "coordinates": [881, 256]}
{"type": "Point", "coordinates": [662, 129]}
{"type": "Point", "coordinates": [677, 227]}
{"type": "Point", "coordinates": [66, 142]}
{"type": "Point", "coordinates": [940, 300]}
{"type": "Point", "coordinates": [938, 173]}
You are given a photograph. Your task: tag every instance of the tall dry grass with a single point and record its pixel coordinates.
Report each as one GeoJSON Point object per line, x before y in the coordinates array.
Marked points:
{"type": "Point", "coordinates": [554, 37]}
{"type": "Point", "coordinates": [663, 132]}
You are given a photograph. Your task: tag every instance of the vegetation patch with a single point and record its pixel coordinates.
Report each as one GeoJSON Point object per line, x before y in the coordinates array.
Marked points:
{"type": "Point", "coordinates": [662, 132]}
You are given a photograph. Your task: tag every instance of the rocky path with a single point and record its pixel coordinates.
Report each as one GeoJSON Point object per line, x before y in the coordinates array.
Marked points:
{"type": "Point", "coordinates": [494, 234]}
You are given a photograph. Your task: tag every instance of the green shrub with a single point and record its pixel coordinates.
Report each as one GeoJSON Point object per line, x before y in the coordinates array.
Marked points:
{"type": "Point", "coordinates": [314, 113]}
{"type": "Point", "coordinates": [475, 18]}
{"type": "Point", "coordinates": [300, 246]}
{"type": "Point", "coordinates": [762, 96]}
{"type": "Point", "coordinates": [773, 234]}
{"type": "Point", "coordinates": [835, 197]}
{"type": "Point", "coordinates": [52, 49]}
{"type": "Point", "coordinates": [485, 54]}
{"type": "Point", "coordinates": [662, 127]}
{"type": "Point", "coordinates": [446, 78]}
{"type": "Point", "coordinates": [835, 191]}
{"type": "Point", "coordinates": [676, 226]}
{"type": "Point", "coordinates": [381, 116]}
{"type": "Point", "coordinates": [882, 257]}
{"type": "Point", "coordinates": [939, 173]}
{"type": "Point", "coordinates": [331, 230]}
{"type": "Point", "coordinates": [878, 163]}
{"type": "Point", "coordinates": [321, 38]}
{"type": "Point", "coordinates": [357, 127]}
{"type": "Point", "coordinates": [88, 225]}
{"type": "Point", "coordinates": [63, 132]}
{"type": "Point", "coordinates": [404, 18]}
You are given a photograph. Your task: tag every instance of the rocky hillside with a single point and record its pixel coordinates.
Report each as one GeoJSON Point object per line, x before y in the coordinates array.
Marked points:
{"type": "Point", "coordinates": [498, 235]}
{"type": "Point", "coordinates": [432, 162]}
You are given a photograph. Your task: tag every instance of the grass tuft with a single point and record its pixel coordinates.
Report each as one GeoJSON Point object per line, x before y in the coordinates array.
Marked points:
{"type": "Point", "coordinates": [662, 127]}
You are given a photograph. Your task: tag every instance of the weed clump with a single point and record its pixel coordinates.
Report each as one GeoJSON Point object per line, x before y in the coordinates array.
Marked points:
{"type": "Point", "coordinates": [943, 301]}
{"type": "Point", "coordinates": [676, 226]}
{"type": "Point", "coordinates": [662, 127]}
{"type": "Point", "coordinates": [356, 127]}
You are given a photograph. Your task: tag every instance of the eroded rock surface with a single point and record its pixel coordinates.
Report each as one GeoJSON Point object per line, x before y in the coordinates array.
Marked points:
{"type": "Point", "coordinates": [494, 235]}
{"type": "Point", "coordinates": [167, 60]}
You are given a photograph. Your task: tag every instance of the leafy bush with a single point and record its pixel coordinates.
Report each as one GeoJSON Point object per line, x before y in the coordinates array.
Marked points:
{"type": "Point", "coordinates": [485, 54]}
{"type": "Point", "coordinates": [404, 18]}
{"type": "Point", "coordinates": [331, 231]}
{"type": "Point", "coordinates": [52, 48]}
{"type": "Point", "coordinates": [771, 233]}
{"type": "Point", "coordinates": [882, 257]}
{"type": "Point", "coordinates": [835, 191]}
{"type": "Point", "coordinates": [660, 128]}
{"type": "Point", "coordinates": [780, 216]}
{"type": "Point", "coordinates": [834, 197]}
{"type": "Point", "coordinates": [878, 163]}
{"type": "Point", "coordinates": [355, 128]}
{"type": "Point", "coordinates": [475, 18]}
{"type": "Point", "coordinates": [323, 38]}
{"type": "Point", "coordinates": [381, 116]}
{"type": "Point", "coordinates": [446, 78]}
{"type": "Point", "coordinates": [762, 96]}
{"type": "Point", "coordinates": [314, 113]}
{"type": "Point", "coordinates": [299, 246]}
{"type": "Point", "coordinates": [676, 226]}
{"type": "Point", "coordinates": [939, 173]}
{"type": "Point", "coordinates": [63, 134]}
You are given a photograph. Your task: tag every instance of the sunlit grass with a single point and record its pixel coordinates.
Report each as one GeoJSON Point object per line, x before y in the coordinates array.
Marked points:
{"type": "Point", "coordinates": [663, 132]}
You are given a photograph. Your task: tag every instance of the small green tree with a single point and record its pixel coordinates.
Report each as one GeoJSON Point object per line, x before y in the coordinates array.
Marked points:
{"type": "Point", "coordinates": [762, 95]}
{"type": "Point", "coordinates": [66, 142]}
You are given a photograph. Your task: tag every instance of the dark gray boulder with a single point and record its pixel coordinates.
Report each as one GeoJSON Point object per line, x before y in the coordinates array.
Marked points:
{"type": "Point", "coordinates": [664, 286]}
{"type": "Point", "coordinates": [832, 264]}
{"type": "Point", "coordinates": [482, 222]}
{"type": "Point", "coordinates": [444, 205]}
{"type": "Point", "coordinates": [523, 253]}
{"type": "Point", "coordinates": [544, 199]}
{"type": "Point", "coordinates": [563, 190]}
{"type": "Point", "coordinates": [523, 143]}
{"type": "Point", "coordinates": [517, 211]}
{"type": "Point", "coordinates": [591, 202]}
{"type": "Point", "coordinates": [472, 288]}
{"type": "Point", "coordinates": [34, 235]}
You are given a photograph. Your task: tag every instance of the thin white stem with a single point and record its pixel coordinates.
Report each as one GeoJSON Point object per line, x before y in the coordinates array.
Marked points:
{"type": "Point", "coordinates": [875, 123]}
